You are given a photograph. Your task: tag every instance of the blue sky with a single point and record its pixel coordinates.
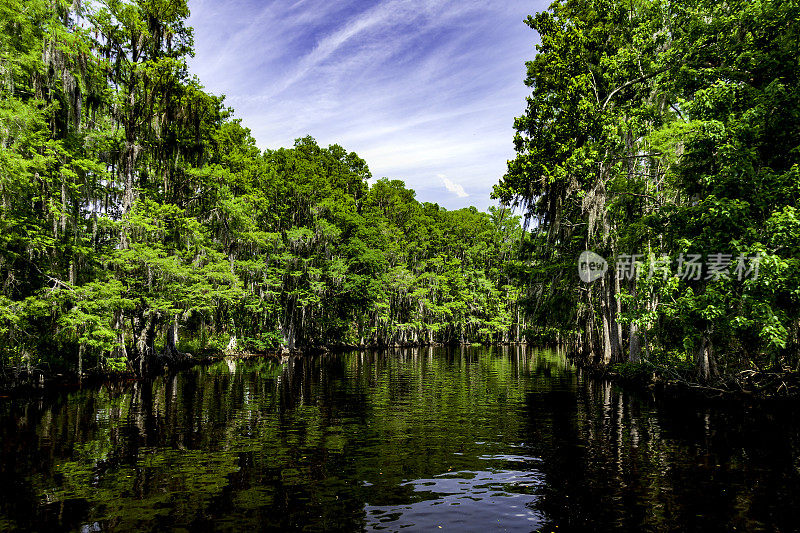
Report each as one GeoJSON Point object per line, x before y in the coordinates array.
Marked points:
{"type": "Point", "coordinates": [424, 90]}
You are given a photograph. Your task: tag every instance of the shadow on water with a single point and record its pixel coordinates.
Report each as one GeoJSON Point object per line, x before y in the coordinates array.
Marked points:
{"type": "Point", "coordinates": [473, 438]}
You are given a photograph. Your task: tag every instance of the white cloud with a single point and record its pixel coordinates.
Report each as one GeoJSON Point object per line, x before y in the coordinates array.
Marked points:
{"type": "Point", "coordinates": [452, 186]}
{"type": "Point", "coordinates": [417, 88]}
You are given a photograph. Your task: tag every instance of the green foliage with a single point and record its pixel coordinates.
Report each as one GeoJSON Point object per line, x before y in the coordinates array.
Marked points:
{"type": "Point", "coordinates": [134, 207]}
{"type": "Point", "coordinates": [639, 373]}
{"type": "Point", "coordinates": [659, 127]}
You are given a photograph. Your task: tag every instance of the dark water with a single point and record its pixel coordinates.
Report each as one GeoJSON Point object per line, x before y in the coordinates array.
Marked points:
{"type": "Point", "coordinates": [467, 440]}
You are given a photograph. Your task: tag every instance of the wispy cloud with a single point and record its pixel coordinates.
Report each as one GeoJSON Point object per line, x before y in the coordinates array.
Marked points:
{"type": "Point", "coordinates": [416, 87]}
{"type": "Point", "coordinates": [330, 44]}
{"type": "Point", "coordinates": [452, 186]}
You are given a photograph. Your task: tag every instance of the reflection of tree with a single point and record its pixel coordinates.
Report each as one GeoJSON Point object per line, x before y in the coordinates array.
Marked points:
{"type": "Point", "coordinates": [614, 461]}
{"type": "Point", "coordinates": [312, 441]}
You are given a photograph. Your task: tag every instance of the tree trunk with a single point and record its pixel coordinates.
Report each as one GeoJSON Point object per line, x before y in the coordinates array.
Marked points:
{"type": "Point", "coordinates": [706, 364]}
{"type": "Point", "coordinates": [81, 348]}
{"type": "Point", "coordinates": [171, 353]}
{"type": "Point", "coordinates": [144, 357]}
{"type": "Point", "coordinates": [634, 344]}
{"type": "Point", "coordinates": [288, 334]}
{"type": "Point", "coordinates": [605, 312]}
{"type": "Point", "coordinates": [616, 327]}
{"type": "Point", "coordinates": [130, 155]}
{"type": "Point", "coordinates": [119, 321]}
{"type": "Point", "coordinates": [231, 348]}
{"type": "Point", "coordinates": [634, 341]}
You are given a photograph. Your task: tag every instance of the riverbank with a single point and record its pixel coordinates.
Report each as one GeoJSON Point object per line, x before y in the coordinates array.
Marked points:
{"type": "Point", "coordinates": [748, 386]}
{"type": "Point", "coordinates": [38, 382]}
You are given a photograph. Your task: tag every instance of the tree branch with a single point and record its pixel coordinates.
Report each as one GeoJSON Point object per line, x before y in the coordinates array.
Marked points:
{"type": "Point", "coordinates": [633, 82]}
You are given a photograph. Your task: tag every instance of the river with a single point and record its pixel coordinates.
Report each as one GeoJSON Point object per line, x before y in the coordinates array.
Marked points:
{"type": "Point", "coordinates": [472, 439]}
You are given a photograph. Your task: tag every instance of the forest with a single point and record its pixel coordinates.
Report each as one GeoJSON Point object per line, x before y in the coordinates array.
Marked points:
{"type": "Point", "coordinates": [659, 132]}
{"type": "Point", "coordinates": [140, 223]}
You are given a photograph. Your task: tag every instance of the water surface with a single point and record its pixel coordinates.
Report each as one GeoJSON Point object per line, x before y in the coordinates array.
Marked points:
{"type": "Point", "coordinates": [475, 439]}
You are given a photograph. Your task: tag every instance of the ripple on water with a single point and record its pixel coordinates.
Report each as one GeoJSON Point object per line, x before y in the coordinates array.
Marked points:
{"type": "Point", "coordinates": [472, 499]}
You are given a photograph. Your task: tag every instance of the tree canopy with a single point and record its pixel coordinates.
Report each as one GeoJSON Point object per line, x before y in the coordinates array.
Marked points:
{"type": "Point", "coordinates": [139, 220]}
{"type": "Point", "coordinates": [659, 132]}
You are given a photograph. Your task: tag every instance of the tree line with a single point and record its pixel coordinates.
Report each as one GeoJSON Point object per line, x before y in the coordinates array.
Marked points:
{"type": "Point", "coordinates": [139, 221]}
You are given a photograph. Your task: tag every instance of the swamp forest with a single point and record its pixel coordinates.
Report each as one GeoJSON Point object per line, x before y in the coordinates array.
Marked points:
{"type": "Point", "coordinates": [140, 222]}
{"type": "Point", "coordinates": [197, 333]}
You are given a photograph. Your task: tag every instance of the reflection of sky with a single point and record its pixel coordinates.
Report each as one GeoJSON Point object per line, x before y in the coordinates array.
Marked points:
{"type": "Point", "coordinates": [470, 500]}
{"type": "Point", "coordinates": [424, 90]}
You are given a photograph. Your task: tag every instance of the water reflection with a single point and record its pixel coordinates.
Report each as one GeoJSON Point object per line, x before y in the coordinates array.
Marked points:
{"type": "Point", "coordinates": [486, 499]}
{"type": "Point", "coordinates": [473, 438]}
